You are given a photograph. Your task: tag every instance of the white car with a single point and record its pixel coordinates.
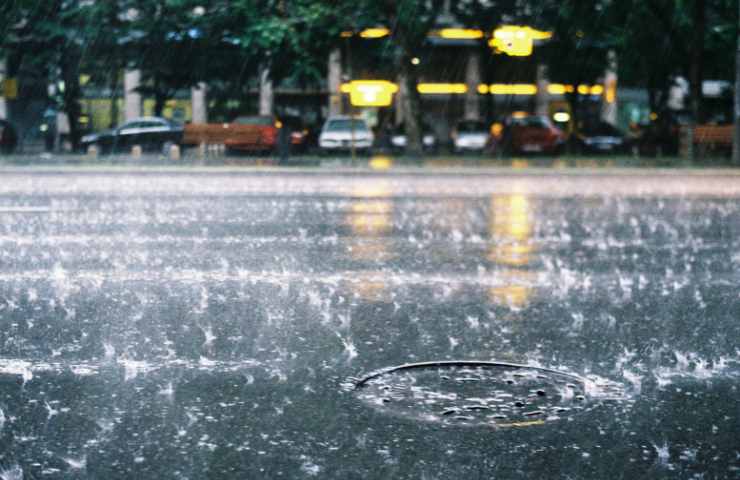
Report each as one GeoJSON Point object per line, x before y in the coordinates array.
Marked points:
{"type": "Point", "coordinates": [470, 136]}
{"type": "Point", "coordinates": [339, 132]}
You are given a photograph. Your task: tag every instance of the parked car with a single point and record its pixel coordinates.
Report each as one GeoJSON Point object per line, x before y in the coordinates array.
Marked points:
{"type": "Point", "coordinates": [8, 137]}
{"type": "Point", "coordinates": [470, 136]}
{"type": "Point", "coordinates": [428, 138]}
{"type": "Point", "coordinates": [254, 133]}
{"type": "Point", "coordinates": [531, 134]}
{"type": "Point", "coordinates": [297, 132]}
{"type": "Point", "coordinates": [153, 134]}
{"type": "Point", "coordinates": [600, 137]}
{"type": "Point", "coordinates": [338, 134]}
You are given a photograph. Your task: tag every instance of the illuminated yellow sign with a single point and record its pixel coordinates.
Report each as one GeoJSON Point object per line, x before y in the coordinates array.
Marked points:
{"type": "Point", "coordinates": [459, 33]}
{"type": "Point", "coordinates": [516, 41]}
{"type": "Point", "coordinates": [560, 89]}
{"type": "Point", "coordinates": [442, 88]}
{"type": "Point", "coordinates": [512, 89]}
{"type": "Point", "coordinates": [370, 93]}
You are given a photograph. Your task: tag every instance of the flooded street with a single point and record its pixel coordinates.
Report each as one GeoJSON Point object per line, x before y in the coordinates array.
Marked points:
{"type": "Point", "coordinates": [223, 324]}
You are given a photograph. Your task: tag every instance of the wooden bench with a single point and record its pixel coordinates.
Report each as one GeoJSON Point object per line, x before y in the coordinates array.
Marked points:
{"type": "Point", "coordinates": [706, 140]}
{"type": "Point", "coordinates": [229, 134]}
{"type": "Point", "coordinates": [713, 135]}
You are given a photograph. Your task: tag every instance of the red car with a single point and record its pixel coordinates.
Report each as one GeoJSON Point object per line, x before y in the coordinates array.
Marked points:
{"type": "Point", "coordinates": [531, 134]}
{"type": "Point", "coordinates": [254, 133]}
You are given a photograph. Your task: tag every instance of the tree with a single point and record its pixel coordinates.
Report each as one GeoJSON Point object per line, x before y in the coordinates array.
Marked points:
{"type": "Point", "coordinates": [736, 109]}
{"type": "Point", "coordinates": [47, 42]}
{"type": "Point", "coordinates": [410, 22]}
{"type": "Point", "coordinates": [173, 43]}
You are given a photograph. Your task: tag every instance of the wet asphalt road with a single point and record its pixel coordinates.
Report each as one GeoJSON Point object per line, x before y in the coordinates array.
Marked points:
{"type": "Point", "coordinates": [210, 324]}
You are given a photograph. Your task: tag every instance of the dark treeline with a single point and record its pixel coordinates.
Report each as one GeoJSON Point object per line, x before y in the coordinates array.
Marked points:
{"type": "Point", "coordinates": [177, 44]}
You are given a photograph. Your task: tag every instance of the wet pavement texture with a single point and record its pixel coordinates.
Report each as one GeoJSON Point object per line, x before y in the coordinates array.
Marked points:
{"type": "Point", "coordinates": [244, 325]}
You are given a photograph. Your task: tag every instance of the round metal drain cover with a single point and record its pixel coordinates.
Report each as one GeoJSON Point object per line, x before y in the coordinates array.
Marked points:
{"type": "Point", "coordinates": [478, 393]}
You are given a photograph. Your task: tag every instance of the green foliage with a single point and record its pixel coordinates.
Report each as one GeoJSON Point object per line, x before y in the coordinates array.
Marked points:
{"type": "Point", "coordinates": [179, 43]}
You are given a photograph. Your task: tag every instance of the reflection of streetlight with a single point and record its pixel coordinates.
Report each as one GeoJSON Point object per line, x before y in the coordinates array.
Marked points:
{"type": "Point", "coordinates": [199, 11]}
{"type": "Point", "coordinates": [510, 227]}
{"type": "Point", "coordinates": [370, 218]}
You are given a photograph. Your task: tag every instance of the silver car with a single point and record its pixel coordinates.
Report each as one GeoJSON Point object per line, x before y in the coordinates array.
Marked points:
{"type": "Point", "coordinates": [341, 133]}
{"type": "Point", "coordinates": [470, 136]}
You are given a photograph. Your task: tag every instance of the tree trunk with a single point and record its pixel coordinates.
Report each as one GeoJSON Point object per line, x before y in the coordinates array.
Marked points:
{"type": "Point", "coordinates": [411, 108]}
{"type": "Point", "coordinates": [267, 96]}
{"type": "Point", "coordinates": [160, 100]}
{"type": "Point", "coordinates": [70, 63]}
{"type": "Point", "coordinates": [575, 117]}
{"type": "Point", "coordinates": [736, 136]}
{"type": "Point", "coordinates": [113, 85]}
{"type": "Point", "coordinates": [697, 55]}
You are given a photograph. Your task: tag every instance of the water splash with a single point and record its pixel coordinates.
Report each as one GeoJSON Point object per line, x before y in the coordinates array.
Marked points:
{"type": "Point", "coordinates": [664, 455]}
{"type": "Point", "coordinates": [691, 365]}
{"type": "Point", "coordinates": [17, 367]}
{"type": "Point", "coordinates": [76, 463]}
{"type": "Point", "coordinates": [109, 351]}
{"type": "Point", "coordinates": [14, 472]}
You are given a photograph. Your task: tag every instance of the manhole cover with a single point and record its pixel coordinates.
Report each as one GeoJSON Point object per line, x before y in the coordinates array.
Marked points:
{"type": "Point", "coordinates": [482, 393]}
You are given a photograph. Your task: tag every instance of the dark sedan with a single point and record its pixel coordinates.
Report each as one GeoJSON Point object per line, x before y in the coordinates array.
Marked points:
{"type": "Point", "coordinates": [152, 134]}
{"type": "Point", "coordinates": [428, 138]}
{"type": "Point", "coordinates": [601, 137]}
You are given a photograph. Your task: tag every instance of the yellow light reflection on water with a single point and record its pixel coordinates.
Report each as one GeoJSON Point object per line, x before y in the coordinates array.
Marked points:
{"type": "Point", "coordinates": [519, 163]}
{"type": "Point", "coordinates": [370, 219]}
{"type": "Point", "coordinates": [511, 225]}
{"type": "Point", "coordinates": [381, 162]}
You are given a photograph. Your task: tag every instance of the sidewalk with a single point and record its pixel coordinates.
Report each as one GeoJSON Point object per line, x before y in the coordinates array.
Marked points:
{"type": "Point", "coordinates": [377, 163]}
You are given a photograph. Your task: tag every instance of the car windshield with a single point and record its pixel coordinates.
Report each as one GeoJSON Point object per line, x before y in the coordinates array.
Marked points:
{"type": "Point", "coordinates": [531, 121]}
{"type": "Point", "coordinates": [344, 125]}
{"type": "Point", "coordinates": [601, 129]}
{"type": "Point", "coordinates": [472, 127]}
{"type": "Point", "coordinates": [425, 128]}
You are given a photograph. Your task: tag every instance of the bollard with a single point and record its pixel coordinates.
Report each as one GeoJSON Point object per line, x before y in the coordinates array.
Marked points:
{"type": "Point", "coordinates": [174, 152]}
{"type": "Point", "coordinates": [136, 151]}
{"type": "Point", "coordinates": [92, 151]}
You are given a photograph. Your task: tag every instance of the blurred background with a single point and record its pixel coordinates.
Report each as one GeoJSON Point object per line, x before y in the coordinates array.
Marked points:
{"type": "Point", "coordinates": [638, 78]}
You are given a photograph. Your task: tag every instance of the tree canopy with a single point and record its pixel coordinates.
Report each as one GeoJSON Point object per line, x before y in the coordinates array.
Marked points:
{"type": "Point", "coordinates": [177, 44]}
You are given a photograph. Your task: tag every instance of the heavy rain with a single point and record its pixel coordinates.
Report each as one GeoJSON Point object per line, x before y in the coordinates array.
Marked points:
{"type": "Point", "coordinates": [211, 325]}
{"type": "Point", "coordinates": [369, 239]}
